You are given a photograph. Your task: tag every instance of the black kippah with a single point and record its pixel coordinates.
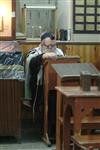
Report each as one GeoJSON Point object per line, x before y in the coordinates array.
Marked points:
{"type": "Point", "coordinates": [47, 34]}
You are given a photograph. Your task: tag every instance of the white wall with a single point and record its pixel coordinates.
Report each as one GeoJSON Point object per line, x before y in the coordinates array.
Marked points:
{"type": "Point", "coordinates": [86, 37]}
{"type": "Point", "coordinates": [64, 13]}
{"type": "Point", "coordinates": [65, 20]}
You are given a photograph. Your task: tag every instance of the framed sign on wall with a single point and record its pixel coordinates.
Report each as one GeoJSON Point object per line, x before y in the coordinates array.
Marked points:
{"type": "Point", "coordinates": [86, 16]}
{"type": "Point", "coordinates": [7, 19]}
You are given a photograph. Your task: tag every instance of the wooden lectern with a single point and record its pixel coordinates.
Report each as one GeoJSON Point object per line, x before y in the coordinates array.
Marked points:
{"type": "Point", "coordinates": [69, 75]}
{"type": "Point", "coordinates": [81, 104]}
{"type": "Point", "coordinates": [50, 81]}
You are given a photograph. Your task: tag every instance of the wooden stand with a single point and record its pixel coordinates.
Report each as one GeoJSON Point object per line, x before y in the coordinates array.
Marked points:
{"type": "Point", "coordinates": [50, 81]}
{"type": "Point", "coordinates": [81, 104]}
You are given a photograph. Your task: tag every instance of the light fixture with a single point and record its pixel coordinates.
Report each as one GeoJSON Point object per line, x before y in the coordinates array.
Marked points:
{"type": "Point", "coordinates": [2, 14]}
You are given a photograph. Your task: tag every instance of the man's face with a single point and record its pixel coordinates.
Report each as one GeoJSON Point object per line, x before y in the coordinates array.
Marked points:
{"type": "Point", "coordinates": [49, 45]}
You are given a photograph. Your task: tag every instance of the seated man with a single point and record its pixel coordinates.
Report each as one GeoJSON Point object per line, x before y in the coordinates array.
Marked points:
{"type": "Point", "coordinates": [34, 65]}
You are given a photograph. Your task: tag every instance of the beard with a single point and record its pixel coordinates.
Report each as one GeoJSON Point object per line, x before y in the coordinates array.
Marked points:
{"type": "Point", "coordinates": [46, 49]}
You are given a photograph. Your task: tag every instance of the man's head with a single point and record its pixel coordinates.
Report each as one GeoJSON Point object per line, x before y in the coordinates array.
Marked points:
{"type": "Point", "coordinates": [47, 35]}
{"type": "Point", "coordinates": [48, 41]}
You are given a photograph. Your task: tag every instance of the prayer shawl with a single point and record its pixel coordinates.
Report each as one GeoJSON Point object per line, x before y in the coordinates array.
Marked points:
{"type": "Point", "coordinates": [35, 52]}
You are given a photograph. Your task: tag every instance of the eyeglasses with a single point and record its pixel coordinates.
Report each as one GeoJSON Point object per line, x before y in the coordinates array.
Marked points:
{"type": "Point", "coordinates": [51, 46]}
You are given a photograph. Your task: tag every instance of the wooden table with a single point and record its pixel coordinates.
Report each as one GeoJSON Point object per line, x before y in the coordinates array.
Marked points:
{"type": "Point", "coordinates": [50, 81]}
{"type": "Point", "coordinates": [78, 102]}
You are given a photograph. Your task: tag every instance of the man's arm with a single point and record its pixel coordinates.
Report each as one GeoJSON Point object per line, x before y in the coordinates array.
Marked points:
{"type": "Point", "coordinates": [35, 64]}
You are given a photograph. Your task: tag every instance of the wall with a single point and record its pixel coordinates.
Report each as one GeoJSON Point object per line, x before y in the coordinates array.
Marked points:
{"type": "Point", "coordinates": [63, 19]}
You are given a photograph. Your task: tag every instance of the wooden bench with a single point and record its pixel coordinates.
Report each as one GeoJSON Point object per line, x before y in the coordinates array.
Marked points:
{"type": "Point", "coordinates": [86, 142]}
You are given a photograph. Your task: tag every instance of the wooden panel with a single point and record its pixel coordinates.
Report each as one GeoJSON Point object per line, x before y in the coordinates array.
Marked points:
{"type": "Point", "coordinates": [50, 81]}
{"type": "Point", "coordinates": [25, 47]}
{"type": "Point", "coordinates": [87, 52]}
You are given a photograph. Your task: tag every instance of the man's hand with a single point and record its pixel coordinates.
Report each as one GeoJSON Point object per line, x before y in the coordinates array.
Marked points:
{"type": "Point", "coordinates": [49, 55]}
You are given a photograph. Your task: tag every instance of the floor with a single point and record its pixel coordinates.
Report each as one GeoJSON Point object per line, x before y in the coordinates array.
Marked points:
{"type": "Point", "coordinates": [31, 136]}
{"type": "Point", "coordinates": [25, 146]}
{"type": "Point", "coordinates": [31, 139]}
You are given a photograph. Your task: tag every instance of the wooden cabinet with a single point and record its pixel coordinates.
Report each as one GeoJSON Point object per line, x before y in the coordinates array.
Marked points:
{"type": "Point", "coordinates": [33, 22]}
{"type": "Point", "coordinates": [10, 103]}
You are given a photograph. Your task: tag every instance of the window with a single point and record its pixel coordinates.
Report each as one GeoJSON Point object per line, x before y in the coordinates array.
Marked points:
{"type": "Point", "coordinates": [37, 19]}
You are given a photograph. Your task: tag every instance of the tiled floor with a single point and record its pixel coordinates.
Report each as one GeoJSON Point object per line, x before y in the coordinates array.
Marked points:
{"type": "Point", "coordinates": [31, 140]}
{"type": "Point", "coordinates": [26, 146]}
{"type": "Point", "coordinates": [31, 136]}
